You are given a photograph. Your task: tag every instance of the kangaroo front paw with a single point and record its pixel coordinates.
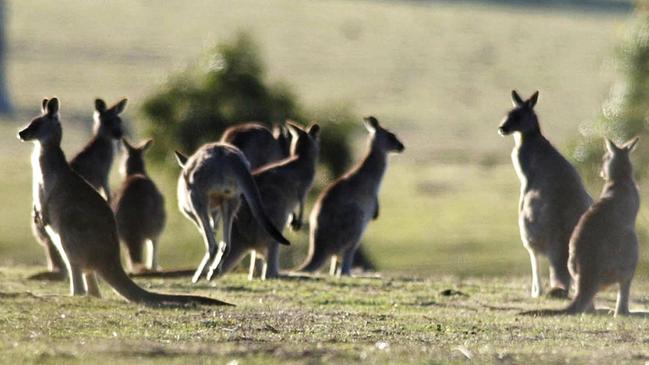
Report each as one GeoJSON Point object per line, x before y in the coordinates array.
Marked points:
{"type": "Point", "coordinates": [296, 224]}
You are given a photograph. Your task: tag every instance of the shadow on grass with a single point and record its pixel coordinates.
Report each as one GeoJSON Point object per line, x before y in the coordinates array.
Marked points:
{"type": "Point", "coordinates": [603, 6]}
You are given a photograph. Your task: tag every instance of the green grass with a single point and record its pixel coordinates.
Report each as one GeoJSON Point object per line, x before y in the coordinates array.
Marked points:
{"type": "Point", "coordinates": [371, 321]}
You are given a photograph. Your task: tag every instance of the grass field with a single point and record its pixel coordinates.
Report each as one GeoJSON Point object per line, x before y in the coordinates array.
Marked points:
{"type": "Point", "coordinates": [438, 73]}
{"type": "Point", "coordinates": [370, 321]}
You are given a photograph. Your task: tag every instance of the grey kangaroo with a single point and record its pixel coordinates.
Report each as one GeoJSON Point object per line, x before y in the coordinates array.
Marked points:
{"type": "Point", "coordinates": [283, 187]}
{"type": "Point", "coordinates": [93, 164]}
{"type": "Point", "coordinates": [259, 144]}
{"type": "Point", "coordinates": [343, 210]}
{"type": "Point", "coordinates": [79, 221]}
{"type": "Point", "coordinates": [552, 195]}
{"type": "Point", "coordinates": [139, 210]}
{"type": "Point", "coordinates": [209, 189]}
{"type": "Point", "coordinates": [604, 245]}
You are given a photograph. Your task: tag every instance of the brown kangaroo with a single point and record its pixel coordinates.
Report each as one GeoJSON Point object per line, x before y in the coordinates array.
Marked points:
{"type": "Point", "coordinates": [283, 186]}
{"type": "Point", "coordinates": [343, 210]}
{"type": "Point", "coordinates": [260, 145]}
{"type": "Point", "coordinates": [79, 221]}
{"type": "Point", "coordinates": [604, 245]}
{"type": "Point", "coordinates": [139, 210]}
{"type": "Point", "coordinates": [209, 189]}
{"type": "Point", "coordinates": [552, 196]}
{"type": "Point", "coordinates": [93, 164]}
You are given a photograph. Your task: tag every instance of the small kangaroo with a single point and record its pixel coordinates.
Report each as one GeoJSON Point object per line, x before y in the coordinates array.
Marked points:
{"type": "Point", "coordinates": [604, 245]}
{"type": "Point", "coordinates": [94, 161]}
{"type": "Point", "coordinates": [552, 195]}
{"type": "Point", "coordinates": [209, 187]}
{"type": "Point", "coordinates": [343, 210]}
{"type": "Point", "coordinates": [283, 186]}
{"type": "Point", "coordinates": [260, 145]}
{"type": "Point", "coordinates": [79, 221]}
{"type": "Point", "coordinates": [139, 209]}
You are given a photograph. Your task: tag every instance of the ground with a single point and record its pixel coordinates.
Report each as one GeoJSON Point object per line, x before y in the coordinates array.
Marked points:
{"type": "Point", "coordinates": [436, 320]}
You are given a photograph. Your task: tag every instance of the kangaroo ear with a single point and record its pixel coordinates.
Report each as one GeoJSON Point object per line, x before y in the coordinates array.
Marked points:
{"type": "Point", "coordinates": [120, 106]}
{"type": "Point", "coordinates": [630, 146]}
{"type": "Point", "coordinates": [182, 159]}
{"type": "Point", "coordinates": [314, 130]}
{"type": "Point", "coordinates": [53, 107]}
{"type": "Point", "coordinates": [532, 100]}
{"type": "Point", "coordinates": [371, 124]}
{"type": "Point", "coordinates": [516, 99]}
{"type": "Point", "coordinates": [145, 145]}
{"type": "Point", "coordinates": [610, 146]}
{"type": "Point", "coordinates": [100, 105]}
{"type": "Point", "coordinates": [44, 106]}
{"type": "Point", "coordinates": [294, 129]}
{"type": "Point", "coordinates": [127, 145]}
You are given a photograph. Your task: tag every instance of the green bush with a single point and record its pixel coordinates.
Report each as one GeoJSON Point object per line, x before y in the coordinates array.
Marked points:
{"type": "Point", "coordinates": [227, 86]}
{"type": "Point", "coordinates": [625, 113]}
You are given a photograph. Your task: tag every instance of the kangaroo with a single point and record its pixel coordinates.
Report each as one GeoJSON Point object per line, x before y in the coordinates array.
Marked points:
{"type": "Point", "coordinates": [343, 210]}
{"type": "Point", "coordinates": [79, 221]}
{"type": "Point", "coordinates": [260, 145]}
{"type": "Point", "coordinates": [93, 164]}
{"type": "Point", "coordinates": [139, 209]}
{"type": "Point", "coordinates": [552, 195]}
{"type": "Point", "coordinates": [604, 245]}
{"type": "Point", "coordinates": [283, 186]}
{"type": "Point", "coordinates": [209, 186]}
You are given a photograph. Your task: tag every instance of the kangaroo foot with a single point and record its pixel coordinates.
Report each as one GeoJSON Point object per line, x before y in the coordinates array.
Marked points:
{"type": "Point", "coordinates": [558, 293]}
{"type": "Point", "coordinates": [49, 276]}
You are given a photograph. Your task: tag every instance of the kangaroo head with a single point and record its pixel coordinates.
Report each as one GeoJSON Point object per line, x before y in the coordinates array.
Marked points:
{"type": "Point", "coordinates": [304, 140]}
{"type": "Point", "coordinates": [45, 129]}
{"type": "Point", "coordinates": [283, 137]}
{"type": "Point", "coordinates": [382, 138]}
{"type": "Point", "coordinates": [522, 117]}
{"type": "Point", "coordinates": [134, 157]}
{"type": "Point", "coordinates": [107, 120]}
{"type": "Point", "coordinates": [616, 162]}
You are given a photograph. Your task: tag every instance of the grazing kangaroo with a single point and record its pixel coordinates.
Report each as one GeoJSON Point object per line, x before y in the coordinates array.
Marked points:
{"type": "Point", "coordinates": [209, 187]}
{"type": "Point", "coordinates": [552, 195]}
{"type": "Point", "coordinates": [604, 245]}
{"type": "Point", "coordinates": [260, 145]}
{"type": "Point", "coordinates": [79, 221]}
{"type": "Point", "coordinates": [283, 186]}
{"type": "Point", "coordinates": [139, 210]}
{"type": "Point", "coordinates": [93, 164]}
{"type": "Point", "coordinates": [343, 210]}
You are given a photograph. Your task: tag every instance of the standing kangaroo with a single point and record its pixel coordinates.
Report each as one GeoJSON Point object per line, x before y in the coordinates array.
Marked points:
{"type": "Point", "coordinates": [283, 186]}
{"type": "Point", "coordinates": [552, 195]}
{"type": "Point", "coordinates": [139, 209]}
{"type": "Point", "coordinates": [79, 221]}
{"type": "Point", "coordinates": [604, 245]}
{"type": "Point", "coordinates": [209, 189]}
{"type": "Point", "coordinates": [343, 210]}
{"type": "Point", "coordinates": [93, 164]}
{"type": "Point", "coordinates": [260, 145]}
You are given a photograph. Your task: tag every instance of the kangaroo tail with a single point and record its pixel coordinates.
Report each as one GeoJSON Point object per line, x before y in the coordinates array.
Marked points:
{"type": "Point", "coordinates": [117, 278]}
{"type": "Point", "coordinates": [316, 256]}
{"type": "Point", "coordinates": [251, 193]}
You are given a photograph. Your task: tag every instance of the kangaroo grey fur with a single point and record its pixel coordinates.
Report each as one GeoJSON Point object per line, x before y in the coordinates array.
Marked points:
{"type": "Point", "coordinates": [79, 221]}
{"type": "Point", "coordinates": [139, 210]}
{"type": "Point", "coordinates": [260, 145]}
{"type": "Point", "coordinates": [283, 186]}
{"type": "Point", "coordinates": [209, 189]}
{"type": "Point", "coordinates": [552, 195]}
{"type": "Point", "coordinates": [343, 210]}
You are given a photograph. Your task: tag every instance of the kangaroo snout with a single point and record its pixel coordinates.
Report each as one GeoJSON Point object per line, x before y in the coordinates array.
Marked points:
{"type": "Point", "coordinates": [503, 131]}
{"type": "Point", "coordinates": [22, 135]}
{"type": "Point", "coordinates": [400, 147]}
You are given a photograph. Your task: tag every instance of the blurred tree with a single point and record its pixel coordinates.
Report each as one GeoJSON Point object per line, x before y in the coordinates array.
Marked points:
{"type": "Point", "coordinates": [228, 86]}
{"type": "Point", "coordinates": [5, 104]}
{"type": "Point", "coordinates": [626, 111]}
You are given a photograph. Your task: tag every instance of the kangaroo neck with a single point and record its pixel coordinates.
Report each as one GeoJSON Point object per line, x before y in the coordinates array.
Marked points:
{"type": "Point", "coordinates": [369, 172]}
{"type": "Point", "coordinates": [529, 138]}
{"type": "Point", "coordinates": [623, 193]}
{"type": "Point", "coordinates": [102, 144]}
{"type": "Point", "coordinates": [51, 161]}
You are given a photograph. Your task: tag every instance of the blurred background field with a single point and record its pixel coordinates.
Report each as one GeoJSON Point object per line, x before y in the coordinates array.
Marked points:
{"type": "Point", "coordinates": [438, 73]}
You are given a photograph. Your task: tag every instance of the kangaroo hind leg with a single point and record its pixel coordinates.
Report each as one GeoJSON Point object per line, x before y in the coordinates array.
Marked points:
{"type": "Point", "coordinates": [536, 278]}
{"type": "Point", "coordinates": [228, 209]}
{"type": "Point", "coordinates": [622, 305]}
{"type": "Point", "coordinates": [92, 287]}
